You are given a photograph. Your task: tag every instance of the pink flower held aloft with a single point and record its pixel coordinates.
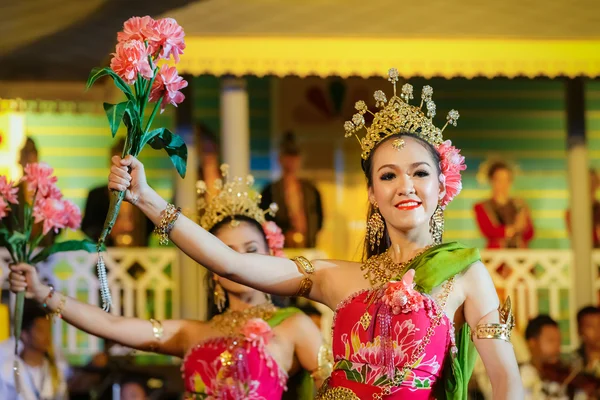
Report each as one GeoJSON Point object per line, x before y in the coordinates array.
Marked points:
{"type": "Point", "coordinates": [257, 329]}
{"type": "Point", "coordinates": [167, 85]}
{"type": "Point", "coordinates": [3, 208]}
{"type": "Point", "coordinates": [130, 59]}
{"type": "Point", "coordinates": [166, 36]}
{"type": "Point", "coordinates": [134, 27]}
{"type": "Point", "coordinates": [72, 215]}
{"type": "Point", "coordinates": [8, 191]}
{"type": "Point", "coordinates": [451, 164]}
{"type": "Point", "coordinates": [38, 177]}
{"type": "Point", "coordinates": [51, 212]}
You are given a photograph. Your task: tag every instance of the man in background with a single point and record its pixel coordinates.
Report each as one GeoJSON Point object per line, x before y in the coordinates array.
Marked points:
{"type": "Point", "coordinates": [300, 214]}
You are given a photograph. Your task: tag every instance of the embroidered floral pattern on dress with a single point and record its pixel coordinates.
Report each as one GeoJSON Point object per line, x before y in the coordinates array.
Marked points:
{"type": "Point", "coordinates": [239, 367]}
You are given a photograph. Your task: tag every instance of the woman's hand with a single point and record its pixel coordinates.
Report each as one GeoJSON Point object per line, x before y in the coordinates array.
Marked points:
{"type": "Point", "coordinates": [127, 174]}
{"type": "Point", "coordinates": [24, 277]}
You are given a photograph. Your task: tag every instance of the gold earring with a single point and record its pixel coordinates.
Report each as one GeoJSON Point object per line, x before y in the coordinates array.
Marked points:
{"type": "Point", "coordinates": [436, 225]}
{"type": "Point", "coordinates": [375, 227]}
{"type": "Point", "coordinates": [268, 298]}
{"type": "Point", "coordinates": [219, 296]}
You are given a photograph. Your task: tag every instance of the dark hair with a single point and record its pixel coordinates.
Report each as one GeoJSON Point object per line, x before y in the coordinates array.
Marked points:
{"type": "Point", "coordinates": [28, 147]}
{"type": "Point", "coordinates": [367, 166]}
{"type": "Point", "coordinates": [289, 146]}
{"type": "Point", "coordinates": [535, 326]}
{"type": "Point", "coordinates": [32, 311]}
{"type": "Point", "coordinates": [210, 282]}
{"type": "Point", "coordinates": [309, 310]}
{"type": "Point", "coordinates": [497, 166]}
{"type": "Point", "coordinates": [584, 312]}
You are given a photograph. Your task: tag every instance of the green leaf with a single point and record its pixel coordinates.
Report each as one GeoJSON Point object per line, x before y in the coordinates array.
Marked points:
{"type": "Point", "coordinates": [99, 72]}
{"type": "Point", "coordinates": [70, 245]}
{"type": "Point", "coordinates": [173, 145]}
{"type": "Point", "coordinates": [115, 112]}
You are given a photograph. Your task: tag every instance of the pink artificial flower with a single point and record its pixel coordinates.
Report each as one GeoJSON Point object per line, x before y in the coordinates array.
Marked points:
{"type": "Point", "coordinates": [3, 208]}
{"type": "Point", "coordinates": [8, 190]}
{"type": "Point", "coordinates": [54, 192]}
{"type": "Point", "coordinates": [167, 85]}
{"type": "Point", "coordinates": [257, 329]}
{"type": "Point", "coordinates": [38, 177]}
{"type": "Point", "coordinates": [72, 215]}
{"type": "Point", "coordinates": [134, 27]}
{"type": "Point", "coordinates": [402, 297]}
{"type": "Point", "coordinates": [451, 163]}
{"type": "Point", "coordinates": [275, 238]}
{"type": "Point", "coordinates": [51, 212]}
{"type": "Point", "coordinates": [165, 36]}
{"type": "Point", "coordinates": [130, 59]}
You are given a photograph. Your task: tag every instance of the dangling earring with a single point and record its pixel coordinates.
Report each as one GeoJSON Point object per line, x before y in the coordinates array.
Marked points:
{"type": "Point", "coordinates": [375, 227]}
{"type": "Point", "coordinates": [436, 225]}
{"type": "Point", "coordinates": [219, 296]}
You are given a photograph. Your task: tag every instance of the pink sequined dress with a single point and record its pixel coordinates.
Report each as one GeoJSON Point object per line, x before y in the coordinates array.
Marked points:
{"type": "Point", "coordinates": [234, 367]}
{"type": "Point", "coordinates": [380, 336]}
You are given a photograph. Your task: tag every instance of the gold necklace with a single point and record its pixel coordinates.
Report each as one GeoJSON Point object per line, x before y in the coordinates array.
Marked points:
{"type": "Point", "coordinates": [380, 269]}
{"type": "Point", "coordinates": [231, 322]}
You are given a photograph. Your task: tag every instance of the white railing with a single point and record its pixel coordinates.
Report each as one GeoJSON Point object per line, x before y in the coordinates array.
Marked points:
{"type": "Point", "coordinates": [538, 281]}
{"type": "Point", "coordinates": [152, 293]}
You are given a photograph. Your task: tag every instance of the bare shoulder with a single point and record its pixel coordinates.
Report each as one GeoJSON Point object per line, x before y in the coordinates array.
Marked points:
{"type": "Point", "coordinates": [474, 279]}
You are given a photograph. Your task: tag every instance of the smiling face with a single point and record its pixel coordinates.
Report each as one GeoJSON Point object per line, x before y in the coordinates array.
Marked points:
{"type": "Point", "coordinates": [244, 238]}
{"type": "Point", "coordinates": [405, 184]}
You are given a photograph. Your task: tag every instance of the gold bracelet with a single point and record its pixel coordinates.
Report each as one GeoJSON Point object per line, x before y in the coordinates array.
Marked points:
{"type": "Point", "coordinates": [58, 311]}
{"type": "Point", "coordinates": [501, 330]}
{"type": "Point", "coordinates": [306, 268]}
{"type": "Point", "coordinates": [157, 332]}
{"type": "Point", "coordinates": [167, 222]}
{"type": "Point", "coordinates": [325, 363]}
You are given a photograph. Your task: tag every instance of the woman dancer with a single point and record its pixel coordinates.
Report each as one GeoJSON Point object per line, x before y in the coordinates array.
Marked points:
{"type": "Point", "coordinates": [396, 313]}
{"type": "Point", "coordinates": [246, 351]}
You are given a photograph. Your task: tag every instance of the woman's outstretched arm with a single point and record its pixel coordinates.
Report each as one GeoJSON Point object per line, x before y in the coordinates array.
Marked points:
{"type": "Point", "coordinates": [274, 275]}
{"type": "Point", "coordinates": [131, 332]}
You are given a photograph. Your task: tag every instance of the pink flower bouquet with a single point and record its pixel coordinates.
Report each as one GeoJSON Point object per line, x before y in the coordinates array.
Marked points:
{"type": "Point", "coordinates": [141, 44]}
{"type": "Point", "coordinates": [23, 228]}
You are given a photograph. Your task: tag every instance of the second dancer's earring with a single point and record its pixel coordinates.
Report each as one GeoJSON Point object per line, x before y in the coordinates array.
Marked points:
{"type": "Point", "coordinates": [219, 296]}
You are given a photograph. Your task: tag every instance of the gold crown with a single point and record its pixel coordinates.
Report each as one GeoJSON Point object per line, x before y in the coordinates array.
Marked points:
{"type": "Point", "coordinates": [233, 197]}
{"type": "Point", "coordinates": [397, 115]}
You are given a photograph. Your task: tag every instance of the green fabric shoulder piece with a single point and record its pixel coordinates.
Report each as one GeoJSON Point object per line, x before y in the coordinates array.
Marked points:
{"type": "Point", "coordinates": [281, 315]}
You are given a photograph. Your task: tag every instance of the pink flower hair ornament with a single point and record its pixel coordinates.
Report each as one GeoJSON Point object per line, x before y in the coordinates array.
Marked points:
{"type": "Point", "coordinates": [275, 238]}
{"type": "Point", "coordinates": [451, 164]}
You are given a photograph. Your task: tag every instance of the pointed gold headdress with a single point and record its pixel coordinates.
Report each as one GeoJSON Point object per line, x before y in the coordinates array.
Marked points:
{"type": "Point", "coordinates": [397, 115]}
{"type": "Point", "coordinates": [233, 197]}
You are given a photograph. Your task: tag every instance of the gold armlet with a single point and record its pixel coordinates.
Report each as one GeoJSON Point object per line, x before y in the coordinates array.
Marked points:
{"type": "Point", "coordinates": [325, 361]}
{"type": "Point", "coordinates": [501, 330]}
{"type": "Point", "coordinates": [157, 332]}
{"type": "Point", "coordinates": [307, 269]}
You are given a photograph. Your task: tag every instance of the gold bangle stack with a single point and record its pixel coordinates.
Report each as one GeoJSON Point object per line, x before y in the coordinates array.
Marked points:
{"type": "Point", "coordinates": [307, 269]}
{"type": "Point", "coordinates": [167, 222]}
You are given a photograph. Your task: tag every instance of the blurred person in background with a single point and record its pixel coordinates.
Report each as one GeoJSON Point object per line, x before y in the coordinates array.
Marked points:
{"type": "Point", "coordinates": [594, 185]}
{"type": "Point", "coordinates": [503, 220]}
{"type": "Point", "coordinates": [40, 377]}
{"type": "Point", "coordinates": [132, 228]}
{"type": "Point", "coordinates": [300, 213]}
{"type": "Point", "coordinates": [587, 356]}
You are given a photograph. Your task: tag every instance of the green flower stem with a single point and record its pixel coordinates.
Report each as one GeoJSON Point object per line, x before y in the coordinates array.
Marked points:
{"type": "Point", "coordinates": [156, 106]}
